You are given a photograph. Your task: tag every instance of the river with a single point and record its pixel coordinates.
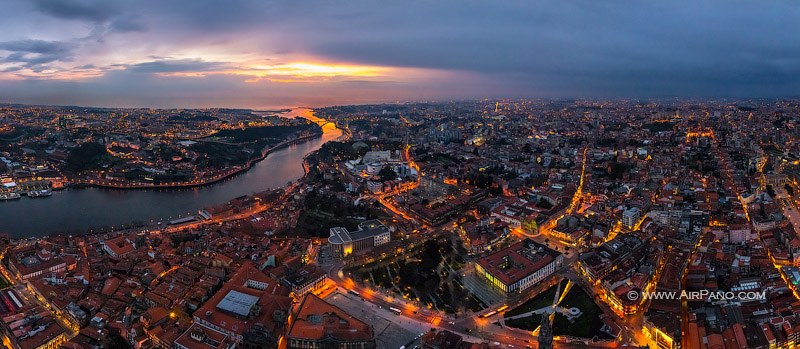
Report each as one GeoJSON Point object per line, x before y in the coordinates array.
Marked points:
{"type": "Point", "coordinates": [74, 210]}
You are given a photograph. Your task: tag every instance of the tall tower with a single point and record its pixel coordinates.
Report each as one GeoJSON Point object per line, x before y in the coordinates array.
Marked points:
{"type": "Point", "coordinates": [496, 107]}
{"type": "Point", "coordinates": [546, 333]}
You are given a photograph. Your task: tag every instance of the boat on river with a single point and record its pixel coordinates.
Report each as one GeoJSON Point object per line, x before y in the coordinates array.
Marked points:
{"type": "Point", "coordinates": [40, 193]}
{"type": "Point", "coordinates": [10, 196]}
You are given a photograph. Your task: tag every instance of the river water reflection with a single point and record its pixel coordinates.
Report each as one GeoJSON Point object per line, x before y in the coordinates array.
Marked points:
{"type": "Point", "coordinates": [79, 209]}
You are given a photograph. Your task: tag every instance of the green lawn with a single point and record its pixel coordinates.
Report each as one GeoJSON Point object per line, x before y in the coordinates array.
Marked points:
{"type": "Point", "coordinates": [540, 301]}
{"type": "Point", "coordinates": [529, 323]}
{"type": "Point", "coordinates": [415, 276]}
{"type": "Point", "coordinates": [587, 325]}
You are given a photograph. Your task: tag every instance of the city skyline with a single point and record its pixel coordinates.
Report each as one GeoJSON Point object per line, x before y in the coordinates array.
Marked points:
{"type": "Point", "coordinates": [258, 54]}
{"type": "Point", "coordinates": [461, 225]}
{"type": "Point", "coordinates": [200, 174]}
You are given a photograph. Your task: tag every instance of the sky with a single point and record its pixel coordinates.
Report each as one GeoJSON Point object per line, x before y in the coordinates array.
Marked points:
{"type": "Point", "coordinates": [261, 53]}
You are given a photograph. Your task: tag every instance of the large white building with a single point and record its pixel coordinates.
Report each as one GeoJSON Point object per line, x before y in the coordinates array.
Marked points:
{"type": "Point", "coordinates": [519, 266]}
{"type": "Point", "coordinates": [630, 217]}
{"type": "Point", "coordinates": [27, 263]}
{"type": "Point", "coordinates": [369, 234]}
{"type": "Point", "coordinates": [118, 247]}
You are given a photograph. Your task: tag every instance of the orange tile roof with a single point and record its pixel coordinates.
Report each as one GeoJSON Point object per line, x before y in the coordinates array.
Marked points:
{"type": "Point", "coordinates": [156, 314]}
{"type": "Point", "coordinates": [317, 319]}
{"type": "Point", "coordinates": [248, 272]}
{"type": "Point", "coordinates": [199, 337]}
{"type": "Point", "coordinates": [119, 245]}
{"type": "Point", "coordinates": [521, 265]}
{"type": "Point", "coordinates": [271, 300]}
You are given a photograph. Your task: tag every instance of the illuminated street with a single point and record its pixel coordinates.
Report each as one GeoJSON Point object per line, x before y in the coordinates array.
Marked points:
{"type": "Point", "coordinates": [399, 175]}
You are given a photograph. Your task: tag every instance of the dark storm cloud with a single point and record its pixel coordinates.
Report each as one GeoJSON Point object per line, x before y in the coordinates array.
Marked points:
{"type": "Point", "coordinates": [105, 16]}
{"type": "Point", "coordinates": [33, 53]}
{"type": "Point", "coordinates": [175, 66]}
{"type": "Point", "coordinates": [125, 24]}
{"type": "Point", "coordinates": [505, 48]}
{"type": "Point", "coordinates": [37, 46]}
{"type": "Point", "coordinates": [574, 48]}
{"type": "Point", "coordinates": [94, 11]}
{"type": "Point", "coordinates": [213, 16]}
{"type": "Point", "coordinates": [566, 48]}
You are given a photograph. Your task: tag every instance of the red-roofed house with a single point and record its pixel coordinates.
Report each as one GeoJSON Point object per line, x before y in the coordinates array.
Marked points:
{"type": "Point", "coordinates": [118, 247]}
{"type": "Point", "coordinates": [319, 324]}
{"type": "Point", "coordinates": [251, 308]}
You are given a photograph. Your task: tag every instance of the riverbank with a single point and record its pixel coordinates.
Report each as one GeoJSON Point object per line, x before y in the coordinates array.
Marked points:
{"type": "Point", "coordinates": [204, 182]}
{"type": "Point", "coordinates": [346, 134]}
{"type": "Point", "coordinates": [93, 208]}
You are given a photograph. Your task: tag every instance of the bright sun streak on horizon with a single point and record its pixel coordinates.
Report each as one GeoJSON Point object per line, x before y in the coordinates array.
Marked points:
{"type": "Point", "coordinates": [293, 72]}
{"type": "Point", "coordinates": [303, 69]}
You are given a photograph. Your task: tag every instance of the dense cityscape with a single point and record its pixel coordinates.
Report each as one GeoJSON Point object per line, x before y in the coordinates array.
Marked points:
{"type": "Point", "coordinates": [477, 224]}
{"type": "Point", "coordinates": [449, 174]}
{"type": "Point", "coordinates": [55, 147]}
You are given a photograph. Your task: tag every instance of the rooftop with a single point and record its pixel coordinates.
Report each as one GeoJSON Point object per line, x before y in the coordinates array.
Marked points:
{"type": "Point", "coordinates": [238, 303]}
{"type": "Point", "coordinates": [518, 261]}
{"type": "Point", "coordinates": [366, 230]}
{"type": "Point", "coordinates": [231, 308]}
{"type": "Point", "coordinates": [199, 337]}
{"type": "Point", "coordinates": [317, 319]}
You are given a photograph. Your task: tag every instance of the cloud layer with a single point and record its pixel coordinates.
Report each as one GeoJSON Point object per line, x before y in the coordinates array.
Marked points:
{"type": "Point", "coordinates": [257, 53]}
